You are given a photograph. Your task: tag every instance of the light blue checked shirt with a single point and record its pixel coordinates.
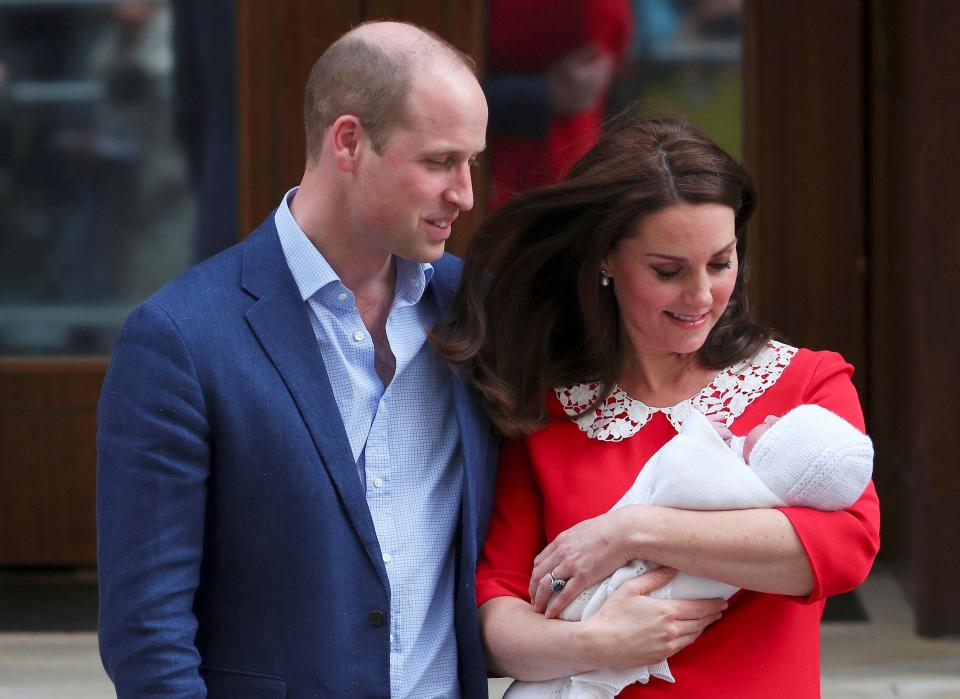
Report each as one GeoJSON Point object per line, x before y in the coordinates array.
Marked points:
{"type": "Point", "coordinates": [406, 443]}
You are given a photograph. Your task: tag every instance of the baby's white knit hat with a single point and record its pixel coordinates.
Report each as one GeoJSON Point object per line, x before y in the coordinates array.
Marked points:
{"type": "Point", "coordinates": [811, 457]}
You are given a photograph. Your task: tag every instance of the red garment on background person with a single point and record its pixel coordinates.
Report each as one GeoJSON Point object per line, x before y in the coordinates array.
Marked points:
{"type": "Point", "coordinates": [529, 36]}
{"type": "Point", "coordinates": [765, 645]}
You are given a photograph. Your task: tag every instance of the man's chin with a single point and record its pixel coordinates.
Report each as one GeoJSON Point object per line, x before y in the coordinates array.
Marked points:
{"type": "Point", "coordinates": [433, 251]}
{"type": "Point", "coordinates": [424, 255]}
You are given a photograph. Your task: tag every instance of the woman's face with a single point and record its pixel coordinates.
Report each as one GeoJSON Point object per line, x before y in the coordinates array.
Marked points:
{"type": "Point", "coordinates": [673, 277]}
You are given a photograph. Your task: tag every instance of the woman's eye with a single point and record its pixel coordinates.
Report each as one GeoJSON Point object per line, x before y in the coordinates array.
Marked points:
{"type": "Point", "coordinates": [719, 266]}
{"type": "Point", "coordinates": [666, 273]}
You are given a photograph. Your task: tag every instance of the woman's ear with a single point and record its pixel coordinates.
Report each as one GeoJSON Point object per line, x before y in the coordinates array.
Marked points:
{"type": "Point", "coordinates": [606, 263]}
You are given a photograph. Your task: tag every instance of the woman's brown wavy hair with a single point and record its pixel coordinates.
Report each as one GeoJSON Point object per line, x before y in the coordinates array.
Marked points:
{"type": "Point", "coordinates": [531, 315]}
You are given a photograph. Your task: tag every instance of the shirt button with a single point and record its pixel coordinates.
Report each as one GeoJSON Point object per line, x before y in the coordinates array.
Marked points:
{"type": "Point", "coordinates": [341, 297]}
{"type": "Point", "coordinates": [387, 558]}
{"type": "Point", "coordinates": [358, 336]}
{"type": "Point", "coordinates": [376, 618]}
{"type": "Point", "coordinates": [377, 482]}
{"type": "Point", "coordinates": [391, 638]}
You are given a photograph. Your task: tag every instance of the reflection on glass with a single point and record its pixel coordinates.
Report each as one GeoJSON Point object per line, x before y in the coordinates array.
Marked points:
{"type": "Point", "coordinates": [557, 68]}
{"type": "Point", "coordinates": [685, 59]}
{"type": "Point", "coordinates": [94, 184]}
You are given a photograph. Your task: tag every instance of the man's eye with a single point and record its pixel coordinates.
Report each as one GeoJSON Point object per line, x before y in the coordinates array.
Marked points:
{"type": "Point", "coordinates": [666, 273]}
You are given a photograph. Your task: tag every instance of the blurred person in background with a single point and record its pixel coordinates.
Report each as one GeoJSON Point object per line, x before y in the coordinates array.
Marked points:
{"type": "Point", "coordinates": [550, 66]}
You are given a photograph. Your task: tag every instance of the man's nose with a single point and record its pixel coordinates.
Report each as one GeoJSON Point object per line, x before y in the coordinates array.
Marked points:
{"type": "Point", "coordinates": [460, 189]}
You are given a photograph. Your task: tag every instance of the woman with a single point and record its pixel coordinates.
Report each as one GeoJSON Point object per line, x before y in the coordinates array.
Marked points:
{"type": "Point", "coordinates": [593, 315]}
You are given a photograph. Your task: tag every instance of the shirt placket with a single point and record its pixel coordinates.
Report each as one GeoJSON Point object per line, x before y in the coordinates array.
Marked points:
{"type": "Point", "coordinates": [381, 484]}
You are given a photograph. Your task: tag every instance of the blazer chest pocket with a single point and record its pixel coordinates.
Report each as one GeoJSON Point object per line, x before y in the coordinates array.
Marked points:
{"type": "Point", "coordinates": [230, 684]}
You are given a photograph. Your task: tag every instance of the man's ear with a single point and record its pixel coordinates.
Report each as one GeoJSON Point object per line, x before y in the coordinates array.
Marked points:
{"type": "Point", "coordinates": [346, 141]}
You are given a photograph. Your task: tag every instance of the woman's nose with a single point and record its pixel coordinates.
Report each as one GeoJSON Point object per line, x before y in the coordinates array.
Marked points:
{"type": "Point", "coordinates": [698, 292]}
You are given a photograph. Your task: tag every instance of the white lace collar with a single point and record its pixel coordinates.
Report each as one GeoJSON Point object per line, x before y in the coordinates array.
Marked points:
{"type": "Point", "coordinates": [727, 396]}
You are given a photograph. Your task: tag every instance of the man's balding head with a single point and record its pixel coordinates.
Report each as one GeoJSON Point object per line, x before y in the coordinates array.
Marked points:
{"type": "Point", "coordinates": [369, 73]}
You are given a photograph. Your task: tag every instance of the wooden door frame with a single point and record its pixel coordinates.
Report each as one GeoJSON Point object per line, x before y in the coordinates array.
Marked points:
{"type": "Point", "coordinates": [851, 135]}
{"type": "Point", "coordinates": [48, 460]}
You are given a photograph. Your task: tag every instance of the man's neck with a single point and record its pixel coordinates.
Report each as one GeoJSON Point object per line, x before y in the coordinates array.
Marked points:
{"type": "Point", "coordinates": [368, 272]}
{"type": "Point", "coordinates": [364, 269]}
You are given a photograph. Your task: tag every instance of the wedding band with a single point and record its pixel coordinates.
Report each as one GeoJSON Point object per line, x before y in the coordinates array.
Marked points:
{"type": "Point", "coordinates": [556, 584]}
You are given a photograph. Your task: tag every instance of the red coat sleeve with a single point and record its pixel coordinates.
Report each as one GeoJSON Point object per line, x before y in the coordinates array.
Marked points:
{"type": "Point", "coordinates": [841, 545]}
{"type": "Point", "coordinates": [515, 535]}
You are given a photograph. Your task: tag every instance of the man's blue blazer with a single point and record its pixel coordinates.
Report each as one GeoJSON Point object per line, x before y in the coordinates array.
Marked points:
{"type": "Point", "coordinates": [237, 554]}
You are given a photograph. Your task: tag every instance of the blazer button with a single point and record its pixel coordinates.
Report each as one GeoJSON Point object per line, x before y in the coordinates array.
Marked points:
{"type": "Point", "coordinates": [376, 618]}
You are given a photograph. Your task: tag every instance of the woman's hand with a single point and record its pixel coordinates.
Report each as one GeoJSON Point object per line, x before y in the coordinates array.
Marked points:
{"type": "Point", "coordinates": [629, 630]}
{"type": "Point", "coordinates": [582, 555]}
{"type": "Point", "coordinates": [633, 630]}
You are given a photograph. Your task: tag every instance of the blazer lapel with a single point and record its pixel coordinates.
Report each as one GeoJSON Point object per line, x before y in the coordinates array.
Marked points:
{"type": "Point", "coordinates": [279, 318]}
{"type": "Point", "coordinates": [471, 418]}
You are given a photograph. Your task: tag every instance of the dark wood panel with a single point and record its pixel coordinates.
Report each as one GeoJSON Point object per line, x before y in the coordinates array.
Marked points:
{"type": "Point", "coordinates": [316, 26]}
{"type": "Point", "coordinates": [890, 302]}
{"type": "Point", "coordinates": [915, 78]}
{"type": "Point", "coordinates": [48, 461]}
{"type": "Point", "coordinates": [382, 9]}
{"type": "Point", "coordinates": [466, 29]}
{"type": "Point", "coordinates": [426, 13]}
{"type": "Point", "coordinates": [928, 142]}
{"type": "Point", "coordinates": [850, 111]}
{"type": "Point", "coordinates": [257, 177]}
{"type": "Point", "coordinates": [277, 44]}
{"type": "Point", "coordinates": [805, 146]}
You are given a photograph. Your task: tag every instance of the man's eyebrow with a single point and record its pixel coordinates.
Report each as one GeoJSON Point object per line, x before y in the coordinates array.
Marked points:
{"type": "Point", "coordinates": [452, 152]}
{"type": "Point", "coordinates": [676, 258]}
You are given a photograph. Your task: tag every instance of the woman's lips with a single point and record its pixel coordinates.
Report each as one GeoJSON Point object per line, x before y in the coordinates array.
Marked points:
{"type": "Point", "coordinates": [688, 321]}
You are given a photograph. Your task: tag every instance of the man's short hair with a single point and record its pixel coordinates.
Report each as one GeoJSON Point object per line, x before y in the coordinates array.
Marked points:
{"type": "Point", "coordinates": [354, 76]}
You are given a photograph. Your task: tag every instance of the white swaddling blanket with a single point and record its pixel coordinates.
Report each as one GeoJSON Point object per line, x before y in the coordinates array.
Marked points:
{"type": "Point", "coordinates": [696, 470]}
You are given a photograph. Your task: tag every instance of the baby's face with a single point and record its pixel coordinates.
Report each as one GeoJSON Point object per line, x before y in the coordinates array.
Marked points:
{"type": "Point", "coordinates": [755, 434]}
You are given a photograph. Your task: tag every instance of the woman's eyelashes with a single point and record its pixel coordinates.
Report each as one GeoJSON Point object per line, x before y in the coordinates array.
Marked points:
{"type": "Point", "coordinates": [671, 272]}
{"type": "Point", "coordinates": [666, 273]}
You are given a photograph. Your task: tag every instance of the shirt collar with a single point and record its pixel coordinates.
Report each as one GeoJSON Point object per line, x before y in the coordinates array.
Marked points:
{"type": "Point", "coordinates": [313, 273]}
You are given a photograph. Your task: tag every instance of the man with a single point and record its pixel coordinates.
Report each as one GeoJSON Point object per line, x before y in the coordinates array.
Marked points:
{"type": "Point", "coordinates": [292, 488]}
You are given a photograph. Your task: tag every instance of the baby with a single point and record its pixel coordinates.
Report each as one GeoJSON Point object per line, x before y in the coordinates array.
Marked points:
{"type": "Point", "coordinates": [808, 457]}
{"type": "Point", "coordinates": [742, 445]}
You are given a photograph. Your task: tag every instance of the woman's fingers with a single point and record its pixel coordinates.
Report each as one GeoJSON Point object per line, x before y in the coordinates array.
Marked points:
{"type": "Point", "coordinates": [585, 553]}
{"type": "Point", "coordinates": [650, 581]}
{"type": "Point", "coordinates": [696, 609]}
{"type": "Point", "coordinates": [632, 629]}
{"type": "Point", "coordinates": [641, 585]}
{"type": "Point", "coordinates": [543, 565]}
{"type": "Point", "coordinates": [551, 604]}
{"type": "Point", "coordinates": [542, 594]}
